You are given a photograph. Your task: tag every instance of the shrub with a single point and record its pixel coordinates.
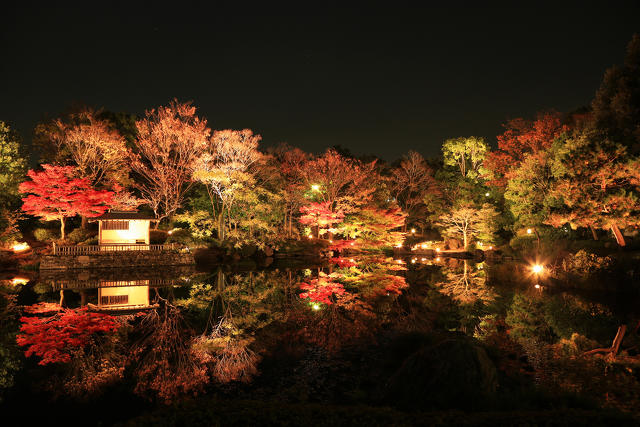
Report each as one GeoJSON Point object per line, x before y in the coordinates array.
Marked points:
{"type": "Point", "coordinates": [90, 241]}
{"type": "Point", "coordinates": [157, 237]}
{"type": "Point", "coordinates": [180, 236]}
{"type": "Point", "coordinates": [584, 263]}
{"type": "Point", "coordinates": [45, 234]}
{"type": "Point", "coordinates": [79, 235]}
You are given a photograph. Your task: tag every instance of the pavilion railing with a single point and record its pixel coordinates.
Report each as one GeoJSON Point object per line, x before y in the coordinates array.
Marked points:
{"type": "Point", "coordinates": [114, 247]}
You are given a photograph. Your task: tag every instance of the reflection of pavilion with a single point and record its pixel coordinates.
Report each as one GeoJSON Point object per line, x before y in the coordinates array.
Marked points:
{"type": "Point", "coordinates": [123, 295]}
{"type": "Point", "coordinates": [118, 290]}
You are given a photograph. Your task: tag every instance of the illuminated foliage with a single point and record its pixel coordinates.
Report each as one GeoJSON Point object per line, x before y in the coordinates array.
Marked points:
{"type": "Point", "coordinates": [170, 140]}
{"type": "Point", "coordinates": [529, 189]}
{"type": "Point", "coordinates": [12, 163]}
{"type": "Point", "coordinates": [469, 222]}
{"type": "Point", "coordinates": [373, 227]}
{"type": "Point", "coordinates": [56, 193]}
{"type": "Point", "coordinates": [224, 168]}
{"type": "Point", "coordinates": [343, 183]}
{"type": "Point", "coordinates": [291, 163]}
{"type": "Point", "coordinates": [12, 172]}
{"type": "Point", "coordinates": [412, 183]}
{"type": "Point", "coordinates": [596, 184]}
{"type": "Point", "coordinates": [55, 339]}
{"type": "Point", "coordinates": [321, 290]}
{"type": "Point", "coordinates": [467, 154]}
{"type": "Point", "coordinates": [97, 149]}
{"type": "Point", "coordinates": [320, 217]}
{"type": "Point", "coordinates": [521, 139]}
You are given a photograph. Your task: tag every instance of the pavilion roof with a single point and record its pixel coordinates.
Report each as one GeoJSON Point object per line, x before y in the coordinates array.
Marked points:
{"type": "Point", "coordinates": [123, 215]}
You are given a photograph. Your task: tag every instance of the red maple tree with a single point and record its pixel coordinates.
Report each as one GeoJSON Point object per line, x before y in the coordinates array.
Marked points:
{"type": "Point", "coordinates": [55, 338]}
{"type": "Point", "coordinates": [320, 216]}
{"type": "Point", "coordinates": [57, 193]}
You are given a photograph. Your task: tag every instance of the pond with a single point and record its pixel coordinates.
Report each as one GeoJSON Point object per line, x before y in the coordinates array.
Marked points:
{"type": "Point", "coordinates": [414, 333]}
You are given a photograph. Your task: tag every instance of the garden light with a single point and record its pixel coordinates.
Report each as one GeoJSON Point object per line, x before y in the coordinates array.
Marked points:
{"type": "Point", "coordinates": [413, 231]}
{"type": "Point", "coordinates": [537, 268]}
{"type": "Point", "coordinates": [315, 306]}
{"type": "Point", "coordinates": [19, 247]}
{"type": "Point", "coordinates": [529, 231]}
{"type": "Point", "coordinates": [19, 281]}
{"type": "Point", "coordinates": [315, 187]}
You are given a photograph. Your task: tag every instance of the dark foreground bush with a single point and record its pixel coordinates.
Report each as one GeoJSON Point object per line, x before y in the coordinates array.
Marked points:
{"type": "Point", "coordinates": [212, 412]}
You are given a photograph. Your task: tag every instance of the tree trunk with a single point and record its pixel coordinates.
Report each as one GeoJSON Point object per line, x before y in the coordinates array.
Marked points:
{"type": "Point", "coordinates": [615, 345]}
{"type": "Point", "coordinates": [85, 222]}
{"type": "Point", "coordinates": [284, 225]}
{"type": "Point", "coordinates": [593, 232]}
{"type": "Point", "coordinates": [466, 243]}
{"type": "Point", "coordinates": [618, 235]}
{"type": "Point", "coordinates": [221, 225]}
{"type": "Point", "coordinates": [535, 230]}
{"type": "Point", "coordinates": [62, 235]}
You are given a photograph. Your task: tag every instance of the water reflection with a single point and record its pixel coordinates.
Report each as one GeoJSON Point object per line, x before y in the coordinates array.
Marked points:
{"type": "Point", "coordinates": [179, 331]}
{"type": "Point", "coordinates": [466, 283]}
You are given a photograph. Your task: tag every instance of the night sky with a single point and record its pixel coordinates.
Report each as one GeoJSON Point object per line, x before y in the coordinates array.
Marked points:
{"type": "Point", "coordinates": [376, 81]}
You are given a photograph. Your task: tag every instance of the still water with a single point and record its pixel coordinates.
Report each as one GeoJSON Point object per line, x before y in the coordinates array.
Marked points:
{"type": "Point", "coordinates": [419, 332]}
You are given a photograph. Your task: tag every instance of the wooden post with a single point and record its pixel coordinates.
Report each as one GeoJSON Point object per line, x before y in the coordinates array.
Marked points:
{"type": "Point", "coordinates": [54, 248]}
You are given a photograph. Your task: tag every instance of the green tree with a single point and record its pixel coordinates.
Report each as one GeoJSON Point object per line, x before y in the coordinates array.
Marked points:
{"type": "Point", "coordinates": [468, 223]}
{"type": "Point", "coordinates": [529, 189]}
{"type": "Point", "coordinates": [465, 153]}
{"type": "Point", "coordinates": [596, 184]}
{"type": "Point", "coordinates": [225, 168]}
{"type": "Point", "coordinates": [13, 167]}
{"type": "Point", "coordinates": [616, 106]}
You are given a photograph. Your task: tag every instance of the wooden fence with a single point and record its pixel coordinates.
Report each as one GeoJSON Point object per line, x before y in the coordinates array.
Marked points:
{"type": "Point", "coordinates": [93, 249]}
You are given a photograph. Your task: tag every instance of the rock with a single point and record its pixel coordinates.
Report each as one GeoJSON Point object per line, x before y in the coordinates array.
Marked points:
{"type": "Point", "coordinates": [248, 250]}
{"type": "Point", "coordinates": [453, 244]}
{"type": "Point", "coordinates": [443, 374]}
{"type": "Point", "coordinates": [268, 251]}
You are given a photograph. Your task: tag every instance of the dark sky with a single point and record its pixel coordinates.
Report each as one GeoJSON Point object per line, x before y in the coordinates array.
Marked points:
{"type": "Point", "coordinates": [376, 81]}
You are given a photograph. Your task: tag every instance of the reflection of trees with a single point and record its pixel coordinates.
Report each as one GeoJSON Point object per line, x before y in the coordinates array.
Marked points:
{"type": "Point", "coordinates": [236, 307]}
{"type": "Point", "coordinates": [336, 325]}
{"type": "Point", "coordinates": [355, 307]}
{"type": "Point", "coordinates": [165, 364]}
{"type": "Point", "coordinates": [466, 285]}
{"type": "Point", "coordinates": [9, 353]}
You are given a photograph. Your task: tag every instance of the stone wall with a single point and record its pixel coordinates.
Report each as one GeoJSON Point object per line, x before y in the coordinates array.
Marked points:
{"type": "Point", "coordinates": [117, 260]}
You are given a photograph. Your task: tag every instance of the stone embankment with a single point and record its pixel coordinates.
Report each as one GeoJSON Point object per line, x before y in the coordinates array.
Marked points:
{"type": "Point", "coordinates": [117, 260]}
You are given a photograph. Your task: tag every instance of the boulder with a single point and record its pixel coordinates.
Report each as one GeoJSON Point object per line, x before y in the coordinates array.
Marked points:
{"type": "Point", "coordinates": [443, 375]}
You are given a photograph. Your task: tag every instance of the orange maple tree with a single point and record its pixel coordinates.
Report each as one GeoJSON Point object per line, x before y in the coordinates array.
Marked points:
{"type": "Point", "coordinates": [520, 138]}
